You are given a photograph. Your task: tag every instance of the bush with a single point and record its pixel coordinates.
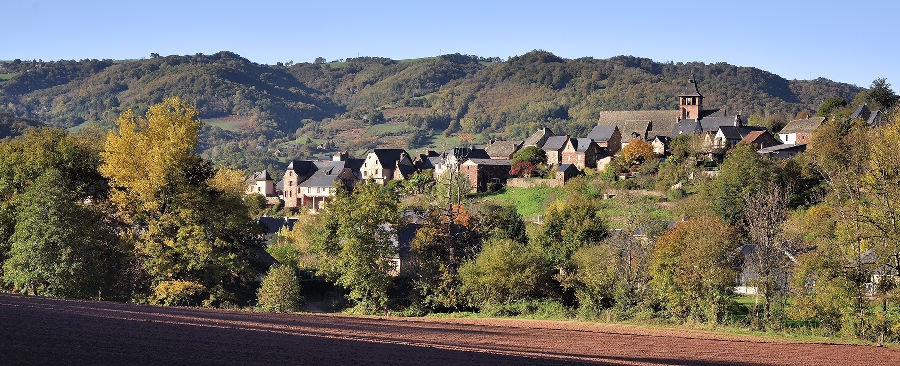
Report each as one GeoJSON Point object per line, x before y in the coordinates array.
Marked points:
{"type": "Point", "coordinates": [280, 291]}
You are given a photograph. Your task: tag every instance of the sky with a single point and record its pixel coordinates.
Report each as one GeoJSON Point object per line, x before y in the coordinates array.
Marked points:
{"type": "Point", "coordinates": [849, 41]}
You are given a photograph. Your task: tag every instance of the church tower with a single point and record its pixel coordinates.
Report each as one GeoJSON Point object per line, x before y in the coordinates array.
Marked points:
{"type": "Point", "coordinates": [690, 101]}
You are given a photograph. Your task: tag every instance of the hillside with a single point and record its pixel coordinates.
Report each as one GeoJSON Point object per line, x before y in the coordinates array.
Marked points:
{"type": "Point", "coordinates": [312, 109]}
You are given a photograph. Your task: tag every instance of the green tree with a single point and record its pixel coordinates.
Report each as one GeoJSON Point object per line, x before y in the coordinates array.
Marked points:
{"type": "Point", "coordinates": [569, 224]}
{"type": "Point", "coordinates": [742, 173]}
{"type": "Point", "coordinates": [505, 271]}
{"type": "Point", "coordinates": [692, 269]}
{"type": "Point", "coordinates": [881, 95]}
{"type": "Point", "coordinates": [595, 276]}
{"type": "Point", "coordinates": [280, 290]}
{"type": "Point", "coordinates": [830, 106]}
{"type": "Point", "coordinates": [531, 154]}
{"type": "Point", "coordinates": [357, 247]}
{"type": "Point", "coordinates": [55, 249]}
{"type": "Point", "coordinates": [502, 221]}
{"type": "Point", "coordinates": [193, 236]}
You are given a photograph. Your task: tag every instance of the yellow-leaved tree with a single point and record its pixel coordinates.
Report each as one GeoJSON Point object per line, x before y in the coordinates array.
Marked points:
{"type": "Point", "coordinates": [192, 234]}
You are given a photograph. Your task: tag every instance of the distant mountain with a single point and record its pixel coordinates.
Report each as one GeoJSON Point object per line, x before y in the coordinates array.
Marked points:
{"type": "Point", "coordinates": [336, 105]}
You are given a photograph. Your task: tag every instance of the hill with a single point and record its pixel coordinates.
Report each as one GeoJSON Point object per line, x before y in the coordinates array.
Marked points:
{"type": "Point", "coordinates": [312, 109]}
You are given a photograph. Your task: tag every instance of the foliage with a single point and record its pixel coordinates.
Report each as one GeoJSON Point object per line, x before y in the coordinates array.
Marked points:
{"type": "Point", "coordinates": [189, 224]}
{"type": "Point", "coordinates": [523, 169]}
{"type": "Point", "coordinates": [692, 269]}
{"type": "Point", "coordinates": [742, 173]}
{"type": "Point", "coordinates": [595, 276]}
{"type": "Point", "coordinates": [880, 94]}
{"type": "Point", "coordinates": [637, 151]}
{"type": "Point", "coordinates": [55, 250]}
{"type": "Point", "coordinates": [532, 154]}
{"type": "Point", "coordinates": [830, 106]}
{"type": "Point", "coordinates": [505, 271]}
{"type": "Point", "coordinates": [356, 247]}
{"type": "Point", "coordinates": [569, 224]}
{"type": "Point", "coordinates": [280, 291]}
{"type": "Point", "coordinates": [502, 221]}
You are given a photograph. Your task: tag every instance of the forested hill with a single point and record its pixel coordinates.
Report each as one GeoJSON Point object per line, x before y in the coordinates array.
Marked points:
{"type": "Point", "coordinates": [422, 98]}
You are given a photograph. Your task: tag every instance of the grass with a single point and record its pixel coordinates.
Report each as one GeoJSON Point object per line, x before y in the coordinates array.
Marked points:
{"type": "Point", "coordinates": [529, 202]}
{"type": "Point", "coordinates": [613, 209]}
{"type": "Point", "coordinates": [384, 128]}
{"type": "Point", "coordinates": [5, 77]}
{"type": "Point", "coordinates": [230, 123]}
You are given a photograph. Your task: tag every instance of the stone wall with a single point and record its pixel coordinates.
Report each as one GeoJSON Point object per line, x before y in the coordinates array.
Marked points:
{"type": "Point", "coordinates": [533, 182]}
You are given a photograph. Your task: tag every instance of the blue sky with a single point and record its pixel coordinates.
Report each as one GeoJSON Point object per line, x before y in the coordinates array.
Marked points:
{"type": "Point", "coordinates": [853, 42]}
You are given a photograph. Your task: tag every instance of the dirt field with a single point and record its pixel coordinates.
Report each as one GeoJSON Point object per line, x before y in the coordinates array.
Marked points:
{"type": "Point", "coordinates": [36, 331]}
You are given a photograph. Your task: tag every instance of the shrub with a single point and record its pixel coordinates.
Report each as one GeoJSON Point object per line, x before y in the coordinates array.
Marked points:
{"type": "Point", "coordinates": [280, 291]}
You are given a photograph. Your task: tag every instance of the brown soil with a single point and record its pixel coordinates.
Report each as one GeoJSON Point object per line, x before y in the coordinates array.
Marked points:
{"type": "Point", "coordinates": [37, 331]}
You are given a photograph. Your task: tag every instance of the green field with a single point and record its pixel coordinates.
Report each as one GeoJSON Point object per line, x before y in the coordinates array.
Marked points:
{"type": "Point", "coordinates": [529, 202]}
{"type": "Point", "coordinates": [230, 123]}
{"type": "Point", "coordinates": [5, 77]}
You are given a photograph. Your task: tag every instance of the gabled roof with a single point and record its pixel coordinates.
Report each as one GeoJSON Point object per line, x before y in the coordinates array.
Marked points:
{"type": "Point", "coordinates": [581, 144]}
{"type": "Point", "coordinates": [537, 137]}
{"type": "Point", "coordinates": [686, 127]}
{"type": "Point", "coordinates": [567, 167]}
{"type": "Point", "coordinates": [802, 125]}
{"type": "Point", "coordinates": [602, 133]}
{"type": "Point", "coordinates": [657, 120]}
{"type": "Point", "coordinates": [762, 138]}
{"type": "Point", "coordinates": [712, 124]}
{"type": "Point", "coordinates": [502, 148]}
{"type": "Point", "coordinates": [862, 111]}
{"type": "Point", "coordinates": [555, 143]}
{"type": "Point", "coordinates": [325, 175]}
{"type": "Point", "coordinates": [498, 162]}
{"type": "Point", "coordinates": [263, 175]}
{"type": "Point", "coordinates": [303, 168]}
{"type": "Point", "coordinates": [738, 132]}
{"type": "Point", "coordinates": [389, 157]}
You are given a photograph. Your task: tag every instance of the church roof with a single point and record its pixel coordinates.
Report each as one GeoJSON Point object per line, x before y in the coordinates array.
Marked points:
{"type": "Point", "coordinates": [628, 121]}
{"type": "Point", "coordinates": [690, 90]}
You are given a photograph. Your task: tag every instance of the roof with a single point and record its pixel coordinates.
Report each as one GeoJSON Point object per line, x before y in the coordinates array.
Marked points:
{"type": "Point", "coordinates": [782, 147]}
{"type": "Point", "coordinates": [502, 148]}
{"type": "Point", "coordinates": [862, 112]}
{"type": "Point", "coordinates": [388, 157]}
{"type": "Point", "coordinates": [712, 124]}
{"type": "Point", "coordinates": [738, 132]}
{"type": "Point", "coordinates": [658, 121]}
{"type": "Point", "coordinates": [263, 175]}
{"type": "Point", "coordinates": [581, 144]}
{"type": "Point", "coordinates": [555, 143]}
{"type": "Point", "coordinates": [537, 137]}
{"type": "Point", "coordinates": [498, 162]}
{"type": "Point", "coordinates": [761, 138]}
{"type": "Point", "coordinates": [271, 225]}
{"type": "Point", "coordinates": [802, 125]}
{"type": "Point", "coordinates": [303, 168]}
{"type": "Point", "coordinates": [326, 174]}
{"type": "Point", "coordinates": [686, 127]}
{"type": "Point", "coordinates": [602, 133]}
{"type": "Point", "coordinates": [690, 90]}
{"type": "Point", "coordinates": [567, 167]}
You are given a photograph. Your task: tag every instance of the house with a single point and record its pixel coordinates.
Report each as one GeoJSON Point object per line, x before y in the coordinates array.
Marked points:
{"type": "Point", "coordinates": [503, 149]}
{"type": "Point", "coordinates": [799, 131]}
{"type": "Point", "coordinates": [262, 183]}
{"type": "Point", "coordinates": [660, 144]}
{"type": "Point", "coordinates": [872, 118]}
{"type": "Point", "coordinates": [566, 172]}
{"type": "Point", "coordinates": [783, 151]}
{"type": "Point", "coordinates": [482, 172]}
{"type": "Point", "coordinates": [607, 137]}
{"type": "Point", "coordinates": [538, 138]}
{"type": "Point", "coordinates": [761, 139]}
{"type": "Point", "coordinates": [383, 165]}
{"type": "Point", "coordinates": [452, 159]}
{"type": "Point", "coordinates": [310, 184]}
{"type": "Point", "coordinates": [729, 136]}
{"type": "Point", "coordinates": [581, 152]}
{"type": "Point", "coordinates": [553, 148]}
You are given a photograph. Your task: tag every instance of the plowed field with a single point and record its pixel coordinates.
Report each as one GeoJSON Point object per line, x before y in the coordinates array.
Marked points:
{"type": "Point", "coordinates": [37, 331]}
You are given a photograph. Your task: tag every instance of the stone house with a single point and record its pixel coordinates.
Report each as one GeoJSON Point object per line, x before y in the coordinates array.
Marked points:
{"type": "Point", "coordinates": [311, 184]}
{"type": "Point", "coordinates": [383, 165]}
{"type": "Point", "coordinates": [799, 131]}
{"type": "Point", "coordinates": [553, 147]}
{"type": "Point", "coordinates": [261, 183]}
{"type": "Point", "coordinates": [761, 139]}
{"type": "Point", "coordinates": [581, 152]}
{"type": "Point", "coordinates": [607, 137]}
{"type": "Point", "coordinates": [482, 172]}
{"type": "Point", "coordinates": [566, 172]}
{"type": "Point", "coordinates": [502, 149]}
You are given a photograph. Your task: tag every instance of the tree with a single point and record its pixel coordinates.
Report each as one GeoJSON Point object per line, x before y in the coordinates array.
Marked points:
{"type": "Point", "coordinates": [595, 276]}
{"type": "Point", "coordinates": [637, 151]}
{"type": "Point", "coordinates": [357, 248]}
{"type": "Point", "coordinates": [881, 95]}
{"type": "Point", "coordinates": [55, 249]}
{"type": "Point", "coordinates": [742, 173]}
{"type": "Point", "coordinates": [523, 169]}
{"type": "Point", "coordinates": [280, 290]}
{"type": "Point", "coordinates": [193, 236]}
{"type": "Point", "coordinates": [692, 270]}
{"type": "Point", "coordinates": [505, 271]}
{"type": "Point", "coordinates": [501, 221]}
{"type": "Point", "coordinates": [531, 154]}
{"type": "Point", "coordinates": [569, 224]}
{"type": "Point", "coordinates": [765, 213]}
{"type": "Point", "coordinates": [830, 106]}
